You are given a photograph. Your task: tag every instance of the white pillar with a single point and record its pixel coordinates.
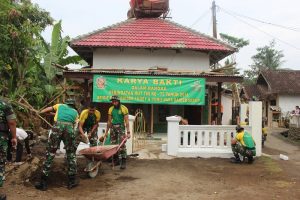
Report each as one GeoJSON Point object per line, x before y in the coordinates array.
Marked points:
{"type": "Point", "coordinates": [243, 112]}
{"type": "Point", "coordinates": [173, 135]}
{"type": "Point", "coordinates": [129, 143]}
{"type": "Point", "coordinates": [255, 121]}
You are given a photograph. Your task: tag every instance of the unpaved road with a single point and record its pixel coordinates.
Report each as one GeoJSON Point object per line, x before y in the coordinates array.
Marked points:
{"type": "Point", "coordinates": [175, 179]}
{"type": "Point", "coordinates": [170, 179]}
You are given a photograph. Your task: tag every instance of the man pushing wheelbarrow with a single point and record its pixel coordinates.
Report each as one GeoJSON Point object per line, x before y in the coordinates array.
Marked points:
{"type": "Point", "coordinates": [117, 121]}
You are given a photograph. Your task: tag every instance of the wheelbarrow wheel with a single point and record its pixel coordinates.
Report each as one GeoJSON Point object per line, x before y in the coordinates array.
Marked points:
{"type": "Point", "coordinates": [93, 173]}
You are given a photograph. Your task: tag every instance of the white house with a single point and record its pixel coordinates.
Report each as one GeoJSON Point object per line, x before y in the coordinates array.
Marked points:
{"type": "Point", "coordinates": [150, 47]}
{"type": "Point", "coordinates": [280, 92]}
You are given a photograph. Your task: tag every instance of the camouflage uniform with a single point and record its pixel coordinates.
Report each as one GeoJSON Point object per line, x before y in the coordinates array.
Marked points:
{"type": "Point", "coordinates": [243, 151]}
{"type": "Point", "coordinates": [117, 133]}
{"type": "Point", "coordinates": [6, 113]}
{"type": "Point", "coordinates": [62, 131]}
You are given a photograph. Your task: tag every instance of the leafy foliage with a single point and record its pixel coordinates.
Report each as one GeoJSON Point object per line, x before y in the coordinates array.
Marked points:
{"type": "Point", "coordinates": [25, 57]}
{"type": "Point", "coordinates": [234, 41]}
{"type": "Point", "coordinates": [20, 56]}
{"type": "Point", "coordinates": [237, 43]}
{"type": "Point", "coordinates": [266, 58]}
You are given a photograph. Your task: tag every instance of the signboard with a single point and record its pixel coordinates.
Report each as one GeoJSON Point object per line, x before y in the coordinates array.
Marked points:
{"type": "Point", "coordinates": [149, 89]}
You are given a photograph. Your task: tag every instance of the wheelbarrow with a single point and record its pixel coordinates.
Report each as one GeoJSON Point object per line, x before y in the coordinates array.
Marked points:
{"type": "Point", "coordinates": [96, 155]}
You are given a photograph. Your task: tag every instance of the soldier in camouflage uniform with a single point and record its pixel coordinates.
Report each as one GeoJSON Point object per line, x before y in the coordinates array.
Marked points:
{"type": "Point", "coordinates": [7, 127]}
{"type": "Point", "coordinates": [63, 130]}
{"type": "Point", "coordinates": [88, 122]}
{"type": "Point", "coordinates": [117, 118]}
{"type": "Point", "coordinates": [243, 144]}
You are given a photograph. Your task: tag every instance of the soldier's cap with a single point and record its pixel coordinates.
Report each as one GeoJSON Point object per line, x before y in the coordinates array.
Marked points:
{"type": "Point", "coordinates": [70, 102]}
{"type": "Point", "coordinates": [239, 128]}
{"type": "Point", "coordinates": [114, 98]}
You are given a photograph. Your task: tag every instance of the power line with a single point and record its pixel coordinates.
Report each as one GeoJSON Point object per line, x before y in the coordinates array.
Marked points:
{"type": "Point", "coordinates": [282, 41]}
{"type": "Point", "coordinates": [200, 18]}
{"type": "Point", "coordinates": [261, 21]}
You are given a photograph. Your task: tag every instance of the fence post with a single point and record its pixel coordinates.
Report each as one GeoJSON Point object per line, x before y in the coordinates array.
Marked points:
{"type": "Point", "coordinates": [173, 135]}
{"type": "Point", "coordinates": [129, 143]}
{"type": "Point", "coordinates": [255, 121]}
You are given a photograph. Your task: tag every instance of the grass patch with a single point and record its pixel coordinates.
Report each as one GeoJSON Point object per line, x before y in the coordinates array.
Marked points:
{"type": "Point", "coordinates": [270, 164]}
{"type": "Point", "coordinates": [283, 184]}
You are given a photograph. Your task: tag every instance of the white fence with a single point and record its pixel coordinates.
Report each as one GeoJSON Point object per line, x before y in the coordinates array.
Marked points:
{"type": "Point", "coordinates": [206, 141]}
{"type": "Point", "coordinates": [209, 141]}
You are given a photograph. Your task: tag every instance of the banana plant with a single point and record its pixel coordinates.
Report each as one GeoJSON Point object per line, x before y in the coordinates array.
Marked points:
{"type": "Point", "coordinates": [57, 52]}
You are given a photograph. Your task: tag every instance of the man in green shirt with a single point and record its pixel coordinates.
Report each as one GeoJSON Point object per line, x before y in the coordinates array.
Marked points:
{"type": "Point", "coordinates": [63, 130]}
{"type": "Point", "coordinates": [7, 127]}
{"type": "Point", "coordinates": [117, 121]}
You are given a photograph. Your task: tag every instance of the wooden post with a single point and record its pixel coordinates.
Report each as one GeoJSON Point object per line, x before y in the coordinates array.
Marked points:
{"type": "Point", "coordinates": [214, 17]}
{"type": "Point", "coordinates": [219, 103]}
{"type": "Point", "coordinates": [151, 119]}
{"type": "Point", "coordinates": [64, 85]}
{"type": "Point", "coordinates": [209, 104]}
{"type": "Point", "coordinates": [86, 88]}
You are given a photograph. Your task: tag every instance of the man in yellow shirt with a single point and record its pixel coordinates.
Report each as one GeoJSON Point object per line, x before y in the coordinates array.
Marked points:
{"type": "Point", "coordinates": [88, 122]}
{"type": "Point", "coordinates": [243, 144]}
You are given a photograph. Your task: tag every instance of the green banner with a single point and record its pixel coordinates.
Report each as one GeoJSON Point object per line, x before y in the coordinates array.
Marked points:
{"type": "Point", "coordinates": [149, 89]}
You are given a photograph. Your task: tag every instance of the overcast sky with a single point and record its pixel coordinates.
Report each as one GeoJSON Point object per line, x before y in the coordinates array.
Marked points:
{"type": "Point", "coordinates": [80, 17]}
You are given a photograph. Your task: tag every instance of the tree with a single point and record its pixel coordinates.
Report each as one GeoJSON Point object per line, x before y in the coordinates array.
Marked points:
{"type": "Point", "coordinates": [57, 53]}
{"type": "Point", "coordinates": [25, 57]}
{"type": "Point", "coordinates": [266, 58]}
{"type": "Point", "coordinates": [234, 41]}
{"type": "Point", "coordinates": [238, 43]}
{"type": "Point", "coordinates": [20, 36]}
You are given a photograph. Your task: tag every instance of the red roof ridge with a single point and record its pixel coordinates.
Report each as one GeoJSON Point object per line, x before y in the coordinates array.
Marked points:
{"type": "Point", "coordinates": [100, 30]}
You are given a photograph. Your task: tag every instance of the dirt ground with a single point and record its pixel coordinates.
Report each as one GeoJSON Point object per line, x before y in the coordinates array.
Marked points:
{"type": "Point", "coordinates": [267, 178]}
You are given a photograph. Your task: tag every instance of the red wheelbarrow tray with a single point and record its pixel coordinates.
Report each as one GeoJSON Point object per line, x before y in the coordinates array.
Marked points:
{"type": "Point", "coordinates": [101, 153]}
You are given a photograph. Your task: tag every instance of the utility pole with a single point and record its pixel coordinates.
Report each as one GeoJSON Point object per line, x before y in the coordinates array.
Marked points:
{"type": "Point", "coordinates": [214, 17]}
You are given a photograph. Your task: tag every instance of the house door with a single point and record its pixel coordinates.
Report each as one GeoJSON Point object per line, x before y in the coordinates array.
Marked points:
{"type": "Point", "coordinates": [193, 114]}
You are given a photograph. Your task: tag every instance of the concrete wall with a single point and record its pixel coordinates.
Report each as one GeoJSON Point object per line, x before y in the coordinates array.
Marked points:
{"type": "Point", "coordinates": [144, 59]}
{"type": "Point", "coordinates": [227, 106]}
{"type": "Point", "coordinates": [288, 102]}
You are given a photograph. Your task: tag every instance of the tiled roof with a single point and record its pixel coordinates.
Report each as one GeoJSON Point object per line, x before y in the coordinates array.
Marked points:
{"type": "Point", "coordinates": [151, 33]}
{"type": "Point", "coordinates": [251, 91]}
{"type": "Point", "coordinates": [283, 81]}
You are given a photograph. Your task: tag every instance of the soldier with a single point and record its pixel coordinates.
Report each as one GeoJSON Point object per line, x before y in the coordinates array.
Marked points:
{"type": "Point", "coordinates": [88, 122]}
{"type": "Point", "coordinates": [7, 126]}
{"type": "Point", "coordinates": [117, 117]}
{"type": "Point", "coordinates": [63, 130]}
{"type": "Point", "coordinates": [243, 144]}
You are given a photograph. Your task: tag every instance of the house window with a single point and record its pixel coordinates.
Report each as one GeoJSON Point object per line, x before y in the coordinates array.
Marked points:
{"type": "Point", "coordinates": [273, 103]}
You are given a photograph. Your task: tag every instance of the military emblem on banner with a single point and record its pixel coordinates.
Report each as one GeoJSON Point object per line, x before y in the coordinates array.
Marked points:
{"type": "Point", "coordinates": [101, 82]}
{"type": "Point", "coordinates": [197, 86]}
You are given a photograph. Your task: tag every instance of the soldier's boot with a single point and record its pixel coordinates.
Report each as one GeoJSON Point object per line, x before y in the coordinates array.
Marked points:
{"type": "Point", "coordinates": [123, 163]}
{"type": "Point", "coordinates": [42, 185]}
{"type": "Point", "coordinates": [2, 197]}
{"type": "Point", "coordinates": [116, 160]}
{"type": "Point", "coordinates": [72, 182]}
